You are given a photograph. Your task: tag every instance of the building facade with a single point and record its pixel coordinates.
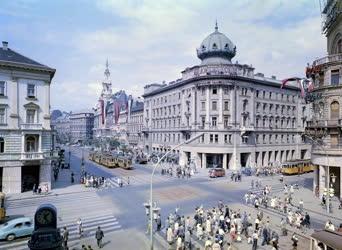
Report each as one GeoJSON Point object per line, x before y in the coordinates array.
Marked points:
{"type": "Point", "coordinates": [25, 132]}
{"type": "Point", "coordinates": [81, 126]}
{"type": "Point", "coordinates": [325, 125]}
{"type": "Point", "coordinates": [61, 126]}
{"type": "Point", "coordinates": [246, 119]}
{"type": "Point", "coordinates": [135, 123]}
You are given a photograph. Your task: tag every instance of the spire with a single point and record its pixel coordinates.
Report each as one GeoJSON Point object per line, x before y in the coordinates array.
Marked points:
{"type": "Point", "coordinates": [107, 73]}
{"type": "Point", "coordinates": [216, 27]}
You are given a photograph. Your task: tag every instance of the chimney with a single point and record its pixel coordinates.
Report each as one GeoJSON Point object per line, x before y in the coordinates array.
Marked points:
{"type": "Point", "coordinates": [4, 45]}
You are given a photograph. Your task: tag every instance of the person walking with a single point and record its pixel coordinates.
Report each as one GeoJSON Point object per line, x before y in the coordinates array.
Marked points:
{"type": "Point", "coordinates": [65, 237]}
{"type": "Point", "coordinates": [255, 240]}
{"type": "Point", "coordinates": [80, 227]}
{"type": "Point", "coordinates": [99, 236]}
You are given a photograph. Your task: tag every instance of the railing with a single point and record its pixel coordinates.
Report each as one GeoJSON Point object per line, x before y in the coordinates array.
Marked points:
{"type": "Point", "coordinates": [328, 59]}
{"type": "Point", "coordinates": [10, 156]}
{"type": "Point", "coordinates": [324, 123]}
{"type": "Point", "coordinates": [32, 156]}
{"type": "Point", "coordinates": [31, 126]}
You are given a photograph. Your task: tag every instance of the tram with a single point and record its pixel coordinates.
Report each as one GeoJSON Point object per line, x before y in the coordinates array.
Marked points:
{"type": "Point", "coordinates": [297, 167]}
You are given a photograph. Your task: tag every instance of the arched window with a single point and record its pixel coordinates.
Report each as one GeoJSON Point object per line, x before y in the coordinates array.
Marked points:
{"type": "Point", "coordinates": [31, 144]}
{"type": "Point", "coordinates": [2, 145]}
{"type": "Point", "coordinates": [339, 46]}
{"type": "Point", "coordinates": [214, 46]}
{"type": "Point", "coordinates": [226, 46]}
{"type": "Point", "coordinates": [203, 48]}
{"type": "Point", "coordinates": [334, 110]}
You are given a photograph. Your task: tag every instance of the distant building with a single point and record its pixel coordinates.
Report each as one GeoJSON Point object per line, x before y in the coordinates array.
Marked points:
{"type": "Point", "coordinates": [326, 124]}
{"type": "Point", "coordinates": [81, 126]}
{"type": "Point", "coordinates": [135, 122]}
{"type": "Point", "coordinates": [246, 119]}
{"type": "Point", "coordinates": [61, 126]}
{"type": "Point", "coordinates": [25, 132]}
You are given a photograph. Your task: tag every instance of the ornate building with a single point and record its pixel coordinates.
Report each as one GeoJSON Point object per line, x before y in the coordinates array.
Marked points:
{"type": "Point", "coordinates": [246, 118]}
{"type": "Point", "coordinates": [25, 132]}
{"type": "Point", "coordinates": [325, 125]}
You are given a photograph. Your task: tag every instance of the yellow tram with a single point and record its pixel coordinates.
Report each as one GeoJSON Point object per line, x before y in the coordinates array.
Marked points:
{"type": "Point", "coordinates": [297, 167]}
{"type": "Point", "coordinates": [2, 206]}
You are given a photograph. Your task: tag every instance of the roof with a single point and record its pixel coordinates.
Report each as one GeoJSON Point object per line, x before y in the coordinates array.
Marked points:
{"type": "Point", "coordinates": [264, 81]}
{"type": "Point", "coordinates": [330, 238]}
{"type": "Point", "coordinates": [138, 106]}
{"type": "Point", "coordinates": [9, 57]}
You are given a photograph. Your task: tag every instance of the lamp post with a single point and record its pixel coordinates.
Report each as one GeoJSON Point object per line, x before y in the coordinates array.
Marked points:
{"type": "Point", "coordinates": [151, 181]}
{"type": "Point", "coordinates": [82, 162]}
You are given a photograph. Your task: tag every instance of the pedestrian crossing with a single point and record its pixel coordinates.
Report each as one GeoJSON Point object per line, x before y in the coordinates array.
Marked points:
{"type": "Point", "coordinates": [108, 224]}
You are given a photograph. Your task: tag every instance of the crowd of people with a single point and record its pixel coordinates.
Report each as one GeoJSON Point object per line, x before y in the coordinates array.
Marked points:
{"type": "Point", "coordinates": [219, 228]}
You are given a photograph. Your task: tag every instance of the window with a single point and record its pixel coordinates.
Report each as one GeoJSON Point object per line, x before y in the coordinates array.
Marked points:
{"type": "Point", "coordinates": [270, 139]}
{"type": "Point", "coordinates": [257, 139]}
{"type": "Point", "coordinates": [31, 90]}
{"type": "Point", "coordinates": [2, 116]}
{"type": "Point", "coordinates": [211, 138]}
{"type": "Point", "coordinates": [216, 138]}
{"type": "Point", "coordinates": [334, 110]}
{"type": "Point", "coordinates": [2, 145]}
{"type": "Point", "coordinates": [257, 94]}
{"type": "Point", "coordinates": [214, 46]}
{"type": "Point", "coordinates": [335, 77]}
{"type": "Point", "coordinates": [226, 105]}
{"type": "Point", "coordinates": [214, 91]}
{"type": "Point", "coordinates": [263, 94]}
{"type": "Point", "coordinates": [214, 105]}
{"type": "Point", "coordinates": [213, 121]}
{"type": "Point", "coordinates": [264, 139]}
{"type": "Point", "coordinates": [203, 121]}
{"type": "Point", "coordinates": [225, 121]}
{"type": "Point", "coordinates": [19, 225]}
{"type": "Point", "coordinates": [31, 144]}
{"type": "Point", "coordinates": [30, 115]}
{"type": "Point", "coordinates": [203, 91]}
{"type": "Point", "coordinates": [244, 139]}
{"type": "Point", "coordinates": [244, 91]}
{"type": "Point", "coordinates": [2, 89]}
{"type": "Point", "coordinates": [225, 91]}
{"type": "Point", "coordinates": [203, 106]}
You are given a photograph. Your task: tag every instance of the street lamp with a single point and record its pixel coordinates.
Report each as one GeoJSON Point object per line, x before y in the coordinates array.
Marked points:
{"type": "Point", "coordinates": [151, 181]}
{"type": "Point", "coordinates": [82, 162]}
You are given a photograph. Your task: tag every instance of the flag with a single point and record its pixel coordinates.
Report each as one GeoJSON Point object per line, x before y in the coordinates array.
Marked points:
{"type": "Point", "coordinates": [102, 110]}
{"type": "Point", "coordinates": [285, 81]}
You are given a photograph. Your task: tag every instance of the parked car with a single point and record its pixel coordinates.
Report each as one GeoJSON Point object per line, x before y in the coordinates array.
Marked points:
{"type": "Point", "coordinates": [216, 172]}
{"type": "Point", "coordinates": [19, 227]}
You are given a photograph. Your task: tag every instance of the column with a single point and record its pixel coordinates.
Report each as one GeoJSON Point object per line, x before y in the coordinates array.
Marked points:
{"type": "Point", "coordinates": [252, 113]}
{"type": "Point", "coordinates": [45, 173]}
{"type": "Point", "coordinates": [315, 179]}
{"type": "Point", "coordinates": [182, 158]}
{"type": "Point", "coordinates": [207, 107]}
{"type": "Point", "coordinates": [193, 108]}
{"type": "Point", "coordinates": [14, 102]}
{"type": "Point", "coordinates": [198, 160]}
{"type": "Point", "coordinates": [46, 115]}
{"type": "Point", "coordinates": [224, 161]}
{"type": "Point", "coordinates": [11, 180]}
{"type": "Point", "coordinates": [322, 179]}
{"type": "Point", "coordinates": [183, 109]}
{"type": "Point", "coordinates": [220, 108]}
{"type": "Point", "coordinates": [204, 160]}
{"type": "Point", "coordinates": [233, 104]}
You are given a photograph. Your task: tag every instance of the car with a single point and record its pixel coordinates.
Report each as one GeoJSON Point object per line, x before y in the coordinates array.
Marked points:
{"type": "Point", "coordinates": [19, 227]}
{"type": "Point", "coordinates": [217, 172]}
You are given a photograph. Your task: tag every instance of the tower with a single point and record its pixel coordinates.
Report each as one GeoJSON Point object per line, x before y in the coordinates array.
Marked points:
{"type": "Point", "coordinates": [106, 83]}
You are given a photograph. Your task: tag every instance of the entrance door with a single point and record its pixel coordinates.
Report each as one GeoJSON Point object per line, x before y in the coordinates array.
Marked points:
{"type": "Point", "coordinates": [29, 177]}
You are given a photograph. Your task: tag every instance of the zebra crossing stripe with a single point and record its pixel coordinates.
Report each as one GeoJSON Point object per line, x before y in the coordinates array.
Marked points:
{"type": "Point", "coordinates": [108, 224]}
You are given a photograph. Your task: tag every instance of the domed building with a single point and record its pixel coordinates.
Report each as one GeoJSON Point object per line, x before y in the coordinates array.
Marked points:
{"type": "Point", "coordinates": [242, 119]}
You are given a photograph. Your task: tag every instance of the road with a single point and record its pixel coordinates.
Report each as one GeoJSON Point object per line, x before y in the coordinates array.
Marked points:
{"type": "Point", "coordinates": [121, 209]}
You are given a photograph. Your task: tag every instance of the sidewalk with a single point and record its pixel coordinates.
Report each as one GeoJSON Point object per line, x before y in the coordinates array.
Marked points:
{"type": "Point", "coordinates": [62, 186]}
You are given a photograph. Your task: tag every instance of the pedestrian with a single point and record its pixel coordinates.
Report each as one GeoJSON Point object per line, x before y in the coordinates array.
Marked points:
{"type": "Point", "coordinates": [301, 205]}
{"type": "Point", "coordinates": [65, 238]}
{"type": "Point", "coordinates": [158, 221]}
{"type": "Point", "coordinates": [255, 240]}
{"type": "Point", "coordinates": [99, 235]}
{"type": "Point", "coordinates": [72, 178]}
{"type": "Point", "coordinates": [187, 240]}
{"type": "Point", "coordinates": [80, 227]}
{"type": "Point", "coordinates": [169, 235]}
{"type": "Point", "coordinates": [34, 189]}
{"type": "Point", "coordinates": [294, 239]}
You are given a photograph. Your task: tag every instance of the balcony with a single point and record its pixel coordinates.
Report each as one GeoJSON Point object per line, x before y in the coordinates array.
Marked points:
{"type": "Point", "coordinates": [31, 126]}
{"type": "Point", "coordinates": [324, 124]}
{"type": "Point", "coordinates": [336, 58]}
{"type": "Point", "coordinates": [32, 156]}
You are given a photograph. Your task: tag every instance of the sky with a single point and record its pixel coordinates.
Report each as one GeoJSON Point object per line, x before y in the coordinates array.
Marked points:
{"type": "Point", "coordinates": [150, 41]}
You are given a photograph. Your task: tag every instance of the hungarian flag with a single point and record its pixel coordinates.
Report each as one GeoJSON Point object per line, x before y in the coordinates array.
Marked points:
{"type": "Point", "coordinates": [300, 81]}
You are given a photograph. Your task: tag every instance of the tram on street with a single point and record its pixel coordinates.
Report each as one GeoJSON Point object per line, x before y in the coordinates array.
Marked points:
{"type": "Point", "coordinates": [2, 206]}
{"type": "Point", "coordinates": [111, 159]}
{"type": "Point", "coordinates": [326, 239]}
{"type": "Point", "coordinates": [297, 167]}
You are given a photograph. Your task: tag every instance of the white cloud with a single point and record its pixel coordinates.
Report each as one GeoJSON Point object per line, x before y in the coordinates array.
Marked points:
{"type": "Point", "coordinates": [156, 40]}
